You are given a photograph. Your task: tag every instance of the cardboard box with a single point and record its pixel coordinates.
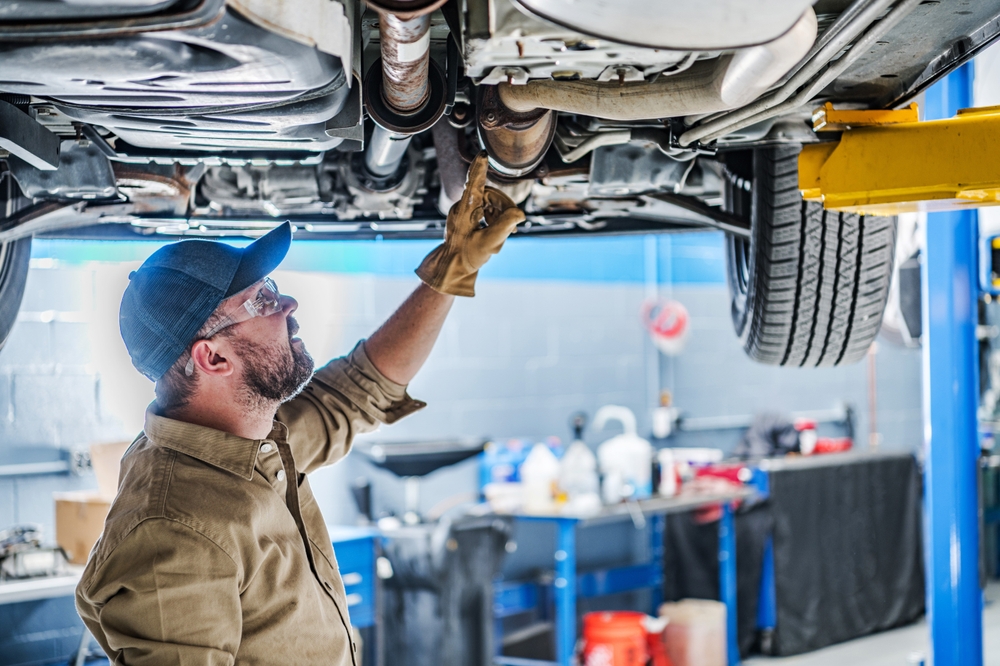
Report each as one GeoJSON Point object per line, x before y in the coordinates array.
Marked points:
{"type": "Point", "coordinates": [80, 515]}
{"type": "Point", "coordinates": [79, 521]}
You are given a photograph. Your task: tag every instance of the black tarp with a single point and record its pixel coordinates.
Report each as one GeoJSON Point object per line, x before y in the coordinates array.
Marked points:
{"type": "Point", "coordinates": [847, 550]}
{"type": "Point", "coordinates": [848, 554]}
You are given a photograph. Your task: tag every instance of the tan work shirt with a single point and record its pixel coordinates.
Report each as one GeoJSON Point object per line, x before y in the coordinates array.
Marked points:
{"type": "Point", "coordinates": [215, 551]}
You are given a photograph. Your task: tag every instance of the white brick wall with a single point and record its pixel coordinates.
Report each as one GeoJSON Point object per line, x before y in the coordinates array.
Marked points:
{"type": "Point", "coordinates": [515, 361]}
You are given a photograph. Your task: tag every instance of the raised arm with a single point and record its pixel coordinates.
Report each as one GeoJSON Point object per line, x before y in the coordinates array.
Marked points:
{"type": "Point", "coordinates": [401, 345]}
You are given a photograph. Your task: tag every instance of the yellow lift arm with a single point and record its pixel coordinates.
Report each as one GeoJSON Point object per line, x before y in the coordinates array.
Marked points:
{"type": "Point", "coordinates": [888, 162]}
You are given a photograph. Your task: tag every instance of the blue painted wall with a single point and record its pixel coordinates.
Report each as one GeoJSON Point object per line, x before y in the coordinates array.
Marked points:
{"type": "Point", "coordinates": [691, 258]}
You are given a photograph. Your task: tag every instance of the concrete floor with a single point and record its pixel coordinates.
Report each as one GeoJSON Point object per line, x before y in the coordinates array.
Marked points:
{"type": "Point", "coordinates": [897, 647]}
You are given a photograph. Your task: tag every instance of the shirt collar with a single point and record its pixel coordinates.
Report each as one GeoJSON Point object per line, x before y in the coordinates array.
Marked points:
{"type": "Point", "coordinates": [221, 449]}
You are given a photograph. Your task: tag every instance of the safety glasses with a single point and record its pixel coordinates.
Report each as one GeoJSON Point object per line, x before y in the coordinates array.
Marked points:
{"type": "Point", "coordinates": [265, 303]}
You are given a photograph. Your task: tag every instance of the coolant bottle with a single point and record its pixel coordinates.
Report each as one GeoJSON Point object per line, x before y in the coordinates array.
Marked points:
{"type": "Point", "coordinates": [540, 478]}
{"type": "Point", "coordinates": [578, 479]}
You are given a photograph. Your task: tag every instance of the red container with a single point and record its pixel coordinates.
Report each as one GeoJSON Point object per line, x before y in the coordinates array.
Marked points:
{"type": "Point", "coordinates": [614, 639]}
{"type": "Point", "coordinates": [833, 444]}
{"type": "Point", "coordinates": [657, 650]}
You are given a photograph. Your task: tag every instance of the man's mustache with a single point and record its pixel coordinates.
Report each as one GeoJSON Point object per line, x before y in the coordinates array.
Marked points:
{"type": "Point", "coordinates": [293, 327]}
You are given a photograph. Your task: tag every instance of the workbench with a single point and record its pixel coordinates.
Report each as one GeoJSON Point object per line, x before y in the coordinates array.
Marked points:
{"type": "Point", "coordinates": [36, 589]}
{"type": "Point", "coordinates": [569, 585]}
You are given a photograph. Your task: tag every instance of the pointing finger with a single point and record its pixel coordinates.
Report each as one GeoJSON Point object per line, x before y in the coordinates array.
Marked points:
{"type": "Point", "coordinates": [473, 195]}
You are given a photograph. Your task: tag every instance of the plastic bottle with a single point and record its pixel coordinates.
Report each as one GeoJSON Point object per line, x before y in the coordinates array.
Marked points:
{"type": "Point", "coordinates": [668, 473]}
{"type": "Point", "coordinates": [540, 478]}
{"type": "Point", "coordinates": [626, 460]}
{"type": "Point", "coordinates": [807, 436]}
{"type": "Point", "coordinates": [578, 474]}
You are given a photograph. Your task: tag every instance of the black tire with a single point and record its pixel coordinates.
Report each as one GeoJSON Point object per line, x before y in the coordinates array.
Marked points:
{"type": "Point", "coordinates": [14, 258]}
{"type": "Point", "coordinates": [810, 286]}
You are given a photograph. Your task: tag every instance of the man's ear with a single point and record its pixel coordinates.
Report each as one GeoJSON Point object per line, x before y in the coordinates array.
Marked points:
{"type": "Point", "coordinates": [208, 359]}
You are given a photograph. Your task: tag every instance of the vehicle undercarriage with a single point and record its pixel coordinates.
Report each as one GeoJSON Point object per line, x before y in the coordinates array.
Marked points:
{"type": "Point", "coordinates": [172, 118]}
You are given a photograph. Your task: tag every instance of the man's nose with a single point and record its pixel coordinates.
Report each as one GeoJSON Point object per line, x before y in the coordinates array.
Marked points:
{"type": "Point", "coordinates": [288, 304]}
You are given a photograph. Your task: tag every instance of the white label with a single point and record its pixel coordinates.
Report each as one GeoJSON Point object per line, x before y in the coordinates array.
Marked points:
{"type": "Point", "coordinates": [413, 50]}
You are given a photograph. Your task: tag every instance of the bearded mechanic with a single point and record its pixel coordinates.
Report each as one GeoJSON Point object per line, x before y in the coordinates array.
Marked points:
{"type": "Point", "coordinates": [214, 551]}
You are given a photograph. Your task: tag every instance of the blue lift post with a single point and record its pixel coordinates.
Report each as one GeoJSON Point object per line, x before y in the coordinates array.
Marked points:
{"type": "Point", "coordinates": [727, 581]}
{"type": "Point", "coordinates": [951, 446]}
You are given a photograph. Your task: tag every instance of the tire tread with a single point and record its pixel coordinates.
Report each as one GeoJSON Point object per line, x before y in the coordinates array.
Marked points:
{"type": "Point", "coordinates": [819, 280]}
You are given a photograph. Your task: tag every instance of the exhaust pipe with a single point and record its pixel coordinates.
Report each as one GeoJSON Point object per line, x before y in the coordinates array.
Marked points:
{"type": "Point", "coordinates": [385, 152]}
{"type": "Point", "coordinates": [405, 60]}
{"type": "Point", "coordinates": [405, 90]}
{"type": "Point", "coordinates": [704, 88]}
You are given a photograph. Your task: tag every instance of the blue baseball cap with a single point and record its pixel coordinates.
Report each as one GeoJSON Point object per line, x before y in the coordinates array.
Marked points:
{"type": "Point", "coordinates": [171, 296]}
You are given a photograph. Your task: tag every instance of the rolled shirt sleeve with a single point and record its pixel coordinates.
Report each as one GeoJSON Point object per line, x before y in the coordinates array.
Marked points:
{"type": "Point", "coordinates": [346, 397]}
{"type": "Point", "coordinates": [180, 606]}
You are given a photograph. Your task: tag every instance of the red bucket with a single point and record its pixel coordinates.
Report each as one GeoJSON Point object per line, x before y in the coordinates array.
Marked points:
{"type": "Point", "coordinates": [614, 639]}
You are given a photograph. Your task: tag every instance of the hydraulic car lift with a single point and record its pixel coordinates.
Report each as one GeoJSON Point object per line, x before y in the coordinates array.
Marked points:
{"type": "Point", "coordinates": [888, 162]}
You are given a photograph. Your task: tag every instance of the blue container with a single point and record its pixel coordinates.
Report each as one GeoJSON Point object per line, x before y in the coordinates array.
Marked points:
{"type": "Point", "coordinates": [355, 550]}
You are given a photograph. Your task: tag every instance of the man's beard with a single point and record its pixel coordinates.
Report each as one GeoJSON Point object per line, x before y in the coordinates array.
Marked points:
{"type": "Point", "coordinates": [270, 373]}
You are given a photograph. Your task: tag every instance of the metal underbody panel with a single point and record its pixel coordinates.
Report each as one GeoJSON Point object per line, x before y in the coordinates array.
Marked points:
{"type": "Point", "coordinates": [62, 10]}
{"type": "Point", "coordinates": [227, 85]}
{"type": "Point", "coordinates": [933, 39]}
{"type": "Point", "coordinates": [689, 24]}
{"type": "Point", "coordinates": [533, 48]}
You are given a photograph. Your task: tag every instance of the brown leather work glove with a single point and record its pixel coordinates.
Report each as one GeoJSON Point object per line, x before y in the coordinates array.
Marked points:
{"type": "Point", "coordinates": [452, 267]}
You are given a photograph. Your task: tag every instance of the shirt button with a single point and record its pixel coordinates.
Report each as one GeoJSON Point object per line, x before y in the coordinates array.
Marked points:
{"type": "Point", "coordinates": [281, 475]}
{"type": "Point", "coordinates": [266, 448]}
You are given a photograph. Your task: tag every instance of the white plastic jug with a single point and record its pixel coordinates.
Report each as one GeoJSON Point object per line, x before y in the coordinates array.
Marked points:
{"type": "Point", "coordinates": [578, 479]}
{"type": "Point", "coordinates": [540, 478]}
{"type": "Point", "coordinates": [696, 632]}
{"type": "Point", "coordinates": [626, 461]}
